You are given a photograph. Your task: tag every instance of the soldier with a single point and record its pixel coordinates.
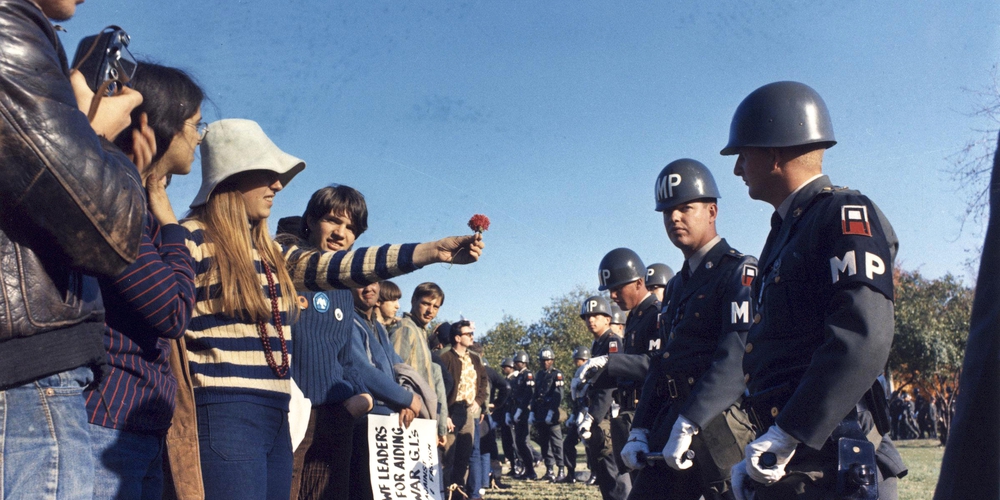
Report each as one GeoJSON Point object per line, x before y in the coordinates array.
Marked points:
{"type": "Point", "coordinates": [545, 414]}
{"type": "Point", "coordinates": [522, 392]}
{"type": "Point", "coordinates": [689, 398]}
{"type": "Point", "coordinates": [657, 276]}
{"type": "Point", "coordinates": [824, 311]}
{"type": "Point", "coordinates": [614, 483]}
{"type": "Point", "coordinates": [623, 274]}
{"type": "Point", "coordinates": [505, 422]}
{"type": "Point", "coordinates": [578, 406]}
{"type": "Point", "coordinates": [618, 318]}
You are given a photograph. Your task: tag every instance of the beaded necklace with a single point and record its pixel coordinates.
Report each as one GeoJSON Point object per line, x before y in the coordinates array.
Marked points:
{"type": "Point", "coordinates": [280, 371]}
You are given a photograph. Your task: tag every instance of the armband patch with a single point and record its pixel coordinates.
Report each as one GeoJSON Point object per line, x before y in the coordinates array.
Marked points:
{"type": "Point", "coordinates": [854, 220]}
{"type": "Point", "coordinates": [612, 346]}
{"type": "Point", "coordinates": [749, 273]}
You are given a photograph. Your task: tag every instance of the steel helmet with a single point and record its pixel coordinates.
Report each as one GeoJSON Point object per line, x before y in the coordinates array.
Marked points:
{"type": "Point", "coordinates": [779, 115]}
{"type": "Point", "coordinates": [521, 357]}
{"type": "Point", "coordinates": [546, 354]}
{"type": "Point", "coordinates": [618, 267]}
{"type": "Point", "coordinates": [581, 352]}
{"type": "Point", "coordinates": [508, 362]}
{"type": "Point", "coordinates": [683, 181]}
{"type": "Point", "coordinates": [617, 315]}
{"type": "Point", "coordinates": [595, 305]}
{"type": "Point", "coordinates": [658, 275]}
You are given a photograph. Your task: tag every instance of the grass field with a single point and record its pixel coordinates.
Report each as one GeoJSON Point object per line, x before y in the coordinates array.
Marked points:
{"type": "Point", "coordinates": [923, 457]}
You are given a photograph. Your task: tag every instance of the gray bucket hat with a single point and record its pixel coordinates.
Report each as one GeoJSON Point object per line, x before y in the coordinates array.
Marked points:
{"type": "Point", "coordinates": [235, 145]}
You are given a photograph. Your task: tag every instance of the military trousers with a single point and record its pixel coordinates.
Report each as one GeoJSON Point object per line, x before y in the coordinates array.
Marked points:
{"type": "Point", "coordinates": [620, 428]}
{"type": "Point", "coordinates": [550, 438]}
{"type": "Point", "coordinates": [613, 482]}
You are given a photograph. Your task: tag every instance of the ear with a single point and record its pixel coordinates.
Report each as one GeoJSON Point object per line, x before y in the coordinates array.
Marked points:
{"type": "Point", "coordinates": [713, 211]}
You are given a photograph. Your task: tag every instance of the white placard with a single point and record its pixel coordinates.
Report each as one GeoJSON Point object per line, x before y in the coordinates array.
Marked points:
{"type": "Point", "coordinates": [404, 462]}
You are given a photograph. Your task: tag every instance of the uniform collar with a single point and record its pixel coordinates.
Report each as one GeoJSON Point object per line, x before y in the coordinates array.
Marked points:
{"type": "Point", "coordinates": [791, 199]}
{"type": "Point", "coordinates": [695, 260]}
{"type": "Point", "coordinates": [647, 302]}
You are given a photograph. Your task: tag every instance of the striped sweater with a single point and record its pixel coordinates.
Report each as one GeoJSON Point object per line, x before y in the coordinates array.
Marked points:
{"type": "Point", "coordinates": [227, 360]}
{"type": "Point", "coordinates": [149, 303]}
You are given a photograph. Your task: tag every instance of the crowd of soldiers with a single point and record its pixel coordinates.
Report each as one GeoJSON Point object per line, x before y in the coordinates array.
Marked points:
{"type": "Point", "coordinates": [740, 377]}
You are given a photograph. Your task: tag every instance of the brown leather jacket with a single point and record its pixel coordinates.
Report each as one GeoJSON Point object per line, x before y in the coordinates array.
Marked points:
{"type": "Point", "coordinates": [71, 204]}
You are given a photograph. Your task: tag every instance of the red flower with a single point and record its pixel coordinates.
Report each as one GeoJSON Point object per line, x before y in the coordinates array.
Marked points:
{"type": "Point", "coordinates": [479, 223]}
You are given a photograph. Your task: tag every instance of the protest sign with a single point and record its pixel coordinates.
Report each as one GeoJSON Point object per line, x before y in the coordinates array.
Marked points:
{"type": "Point", "coordinates": [404, 462]}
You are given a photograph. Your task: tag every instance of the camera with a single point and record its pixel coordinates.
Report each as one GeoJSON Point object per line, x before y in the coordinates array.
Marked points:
{"type": "Point", "coordinates": [104, 57]}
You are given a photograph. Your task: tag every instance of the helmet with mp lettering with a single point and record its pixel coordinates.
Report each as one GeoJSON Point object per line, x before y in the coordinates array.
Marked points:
{"type": "Point", "coordinates": [618, 267]}
{"type": "Point", "coordinates": [507, 362]}
{"type": "Point", "coordinates": [779, 115]}
{"type": "Point", "coordinates": [581, 352]}
{"type": "Point", "coordinates": [658, 275]}
{"type": "Point", "coordinates": [520, 357]}
{"type": "Point", "coordinates": [595, 305]}
{"type": "Point", "coordinates": [617, 315]}
{"type": "Point", "coordinates": [546, 354]}
{"type": "Point", "coordinates": [684, 181]}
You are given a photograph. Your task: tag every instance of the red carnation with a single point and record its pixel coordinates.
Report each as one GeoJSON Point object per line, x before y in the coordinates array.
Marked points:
{"type": "Point", "coordinates": [479, 223]}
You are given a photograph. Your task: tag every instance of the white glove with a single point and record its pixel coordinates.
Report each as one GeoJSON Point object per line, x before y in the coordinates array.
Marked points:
{"type": "Point", "coordinates": [571, 421]}
{"type": "Point", "coordinates": [583, 428]}
{"type": "Point", "coordinates": [548, 417]}
{"type": "Point", "coordinates": [531, 418]}
{"type": "Point", "coordinates": [517, 415]}
{"type": "Point", "coordinates": [591, 368]}
{"type": "Point", "coordinates": [742, 488]}
{"type": "Point", "coordinates": [509, 420]}
{"type": "Point", "coordinates": [774, 441]}
{"type": "Point", "coordinates": [636, 444]}
{"type": "Point", "coordinates": [678, 444]}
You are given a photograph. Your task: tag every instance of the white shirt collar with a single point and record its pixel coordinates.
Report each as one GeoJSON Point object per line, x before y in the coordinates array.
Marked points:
{"type": "Point", "coordinates": [695, 260]}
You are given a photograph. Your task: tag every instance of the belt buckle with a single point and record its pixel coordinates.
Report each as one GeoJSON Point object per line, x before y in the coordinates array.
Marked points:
{"type": "Point", "coordinates": [672, 388]}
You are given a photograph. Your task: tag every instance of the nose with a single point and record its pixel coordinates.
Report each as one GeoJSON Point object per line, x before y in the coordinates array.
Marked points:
{"type": "Point", "coordinates": [738, 168]}
{"type": "Point", "coordinates": [276, 185]}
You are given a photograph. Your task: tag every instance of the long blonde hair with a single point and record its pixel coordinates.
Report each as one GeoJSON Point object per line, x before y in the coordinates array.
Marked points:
{"type": "Point", "coordinates": [233, 239]}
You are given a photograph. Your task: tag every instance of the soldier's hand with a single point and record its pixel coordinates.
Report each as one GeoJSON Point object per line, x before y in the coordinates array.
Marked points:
{"type": "Point", "coordinates": [517, 416]}
{"type": "Point", "coordinates": [777, 442]}
{"type": "Point", "coordinates": [548, 417]}
{"type": "Point", "coordinates": [509, 420]}
{"type": "Point", "coordinates": [635, 446]}
{"type": "Point", "coordinates": [680, 441]}
{"type": "Point", "coordinates": [591, 368]}
{"type": "Point", "coordinates": [531, 418]}
{"type": "Point", "coordinates": [743, 488]}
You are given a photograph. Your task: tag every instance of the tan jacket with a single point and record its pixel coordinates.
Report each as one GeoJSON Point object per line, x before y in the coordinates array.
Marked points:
{"type": "Point", "coordinates": [182, 462]}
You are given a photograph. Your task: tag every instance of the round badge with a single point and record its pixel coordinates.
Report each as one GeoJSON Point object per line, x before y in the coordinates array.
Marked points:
{"type": "Point", "coordinates": [321, 302]}
{"type": "Point", "coordinates": [337, 313]}
{"type": "Point", "coordinates": [303, 303]}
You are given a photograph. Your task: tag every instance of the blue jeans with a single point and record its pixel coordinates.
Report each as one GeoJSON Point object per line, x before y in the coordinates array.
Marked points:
{"type": "Point", "coordinates": [127, 465]}
{"type": "Point", "coordinates": [246, 451]}
{"type": "Point", "coordinates": [45, 439]}
{"type": "Point", "coordinates": [476, 471]}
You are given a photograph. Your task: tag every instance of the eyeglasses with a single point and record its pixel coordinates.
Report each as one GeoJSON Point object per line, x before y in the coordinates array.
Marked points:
{"type": "Point", "coordinates": [202, 129]}
{"type": "Point", "coordinates": [468, 334]}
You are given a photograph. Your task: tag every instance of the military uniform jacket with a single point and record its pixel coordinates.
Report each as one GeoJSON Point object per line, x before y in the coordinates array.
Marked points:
{"type": "Point", "coordinates": [599, 393]}
{"type": "Point", "coordinates": [824, 320]}
{"type": "Point", "coordinates": [523, 391]}
{"type": "Point", "coordinates": [705, 319]}
{"type": "Point", "coordinates": [642, 342]}
{"type": "Point", "coordinates": [548, 393]}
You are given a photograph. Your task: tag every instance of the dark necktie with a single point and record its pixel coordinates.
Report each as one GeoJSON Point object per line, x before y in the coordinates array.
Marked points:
{"type": "Point", "coordinates": [775, 228]}
{"type": "Point", "coordinates": [685, 271]}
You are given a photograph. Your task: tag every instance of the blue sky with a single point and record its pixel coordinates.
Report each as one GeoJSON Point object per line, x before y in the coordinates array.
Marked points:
{"type": "Point", "coordinates": [554, 118]}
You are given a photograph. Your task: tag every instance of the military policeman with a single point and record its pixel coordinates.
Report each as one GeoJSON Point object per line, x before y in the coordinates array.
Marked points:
{"type": "Point", "coordinates": [623, 274]}
{"type": "Point", "coordinates": [689, 399]}
{"type": "Point", "coordinates": [657, 276]}
{"type": "Point", "coordinates": [548, 395]}
{"type": "Point", "coordinates": [522, 393]}
{"type": "Point", "coordinates": [505, 422]}
{"type": "Point", "coordinates": [614, 483]}
{"type": "Point", "coordinates": [578, 407]}
{"type": "Point", "coordinates": [617, 320]}
{"type": "Point", "coordinates": [824, 316]}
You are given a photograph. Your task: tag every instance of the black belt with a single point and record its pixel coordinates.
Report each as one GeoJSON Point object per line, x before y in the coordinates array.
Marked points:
{"type": "Point", "coordinates": [674, 387]}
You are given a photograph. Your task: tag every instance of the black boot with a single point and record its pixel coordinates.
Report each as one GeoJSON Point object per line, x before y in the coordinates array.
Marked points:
{"type": "Point", "coordinates": [592, 480]}
{"type": "Point", "coordinates": [567, 477]}
{"type": "Point", "coordinates": [548, 475]}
